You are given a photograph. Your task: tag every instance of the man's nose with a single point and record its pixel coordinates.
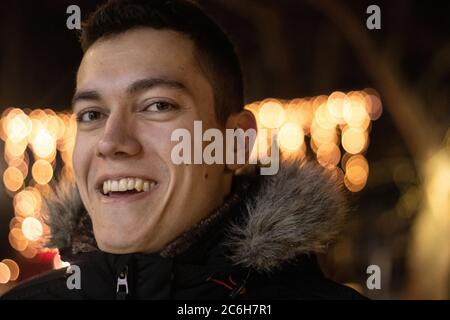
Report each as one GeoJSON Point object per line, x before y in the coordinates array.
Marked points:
{"type": "Point", "coordinates": [118, 138]}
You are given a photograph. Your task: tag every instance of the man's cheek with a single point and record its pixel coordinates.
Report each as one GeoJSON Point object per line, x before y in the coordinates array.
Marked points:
{"type": "Point", "coordinates": [82, 170]}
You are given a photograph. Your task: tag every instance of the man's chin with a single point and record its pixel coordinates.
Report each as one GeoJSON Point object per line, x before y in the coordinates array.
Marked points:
{"type": "Point", "coordinates": [117, 243]}
{"type": "Point", "coordinates": [117, 248]}
{"type": "Point", "coordinates": [123, 244]}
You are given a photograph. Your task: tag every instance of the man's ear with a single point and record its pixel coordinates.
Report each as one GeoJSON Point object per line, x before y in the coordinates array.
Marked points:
{"type": "Point", "coordinates": [244, 120]}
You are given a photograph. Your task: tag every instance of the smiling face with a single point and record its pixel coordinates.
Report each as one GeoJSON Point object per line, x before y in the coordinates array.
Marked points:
{"type": "Point", "coordinates": [133, 90]}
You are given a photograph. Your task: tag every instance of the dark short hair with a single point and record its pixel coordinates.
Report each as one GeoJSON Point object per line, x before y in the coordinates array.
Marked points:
{"type": "Point", "coordinates": [214, 50]}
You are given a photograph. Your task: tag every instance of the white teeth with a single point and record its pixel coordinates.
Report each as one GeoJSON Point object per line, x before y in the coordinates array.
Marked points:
{"type": "Point", "coordinates": [130, 185]}
{"type": "Point", "coordinates": [115, 186]}
{"type": "Point", "coordinates": [125, 184]}
{"type": "Point", "coordinates": [138, 184]}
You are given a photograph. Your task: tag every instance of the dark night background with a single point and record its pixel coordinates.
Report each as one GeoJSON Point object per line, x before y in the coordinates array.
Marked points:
{"type": "Point", "coordinates": [291, 49]}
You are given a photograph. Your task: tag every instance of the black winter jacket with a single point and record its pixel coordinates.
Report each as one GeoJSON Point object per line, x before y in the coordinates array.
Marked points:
{"type": "Point", "coordinates": [260, 244]}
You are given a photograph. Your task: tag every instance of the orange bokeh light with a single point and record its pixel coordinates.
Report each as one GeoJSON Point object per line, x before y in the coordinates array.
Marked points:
{"type": "Point", "coordinates": [18, 125]}
{"type": "Point", "coordinates": [5, 273]}
{"type": "Point", "coordinates": [271, 114]}
{"type": "Point", "coordinates": [373, 104]}
{"type": "Point", "coordinates": [32, 229]}
{"type": "Point", "coordinates": [355, 113]}
{"type": "Point", "coordinates": [356, 173]}
{"type": "Point", "coordinates": [15, 149]}
{"type": "Point", "coordinates": [328, 154]}
{"type": "Point", "coordinates": [354, 140]}
{"type": "Point", "coordinates": [19, 163]}
{"type": "Point", "coordinates": [335, 105]}
{"type": "Point", "coordinates": [13, 179]}
{"type": "Point", "coordinates": [17, 240]}
{"type": "Point", "coordinates": [26, 204]}
{"type": "Point", "coordinates": [290, 137]}
{"type": "Point", "coordinates": [30, 252]}
{"type": "Point", "coordinates": [42, 171]}
{"type": "Point", "coordinates": [43, 144]}
{"type": "Point", "coordinates": [13, 268]}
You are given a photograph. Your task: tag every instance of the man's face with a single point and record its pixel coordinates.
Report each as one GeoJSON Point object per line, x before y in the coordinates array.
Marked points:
{"type": "Point", "coordinates": [133, 90]}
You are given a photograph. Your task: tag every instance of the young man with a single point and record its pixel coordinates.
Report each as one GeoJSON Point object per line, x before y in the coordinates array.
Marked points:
{"type": "Point", "coordinates": [139, 226]}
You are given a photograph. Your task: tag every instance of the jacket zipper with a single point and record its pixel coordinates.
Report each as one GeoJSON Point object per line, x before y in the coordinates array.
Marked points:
{"type": "Point", "coordinates": [122, 285]}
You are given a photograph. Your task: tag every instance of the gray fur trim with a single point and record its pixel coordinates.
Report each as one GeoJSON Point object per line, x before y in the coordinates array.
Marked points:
{"type": "Point", "coordinates": [67, 218]}
{"type": "Point", "coordinates": [300, 210]}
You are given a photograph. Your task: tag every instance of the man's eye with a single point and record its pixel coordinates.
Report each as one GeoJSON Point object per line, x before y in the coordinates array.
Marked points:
{"type": "Point", "coordinates": [160, 106]}
{"type": "Point", "coordinates": [88, 116]}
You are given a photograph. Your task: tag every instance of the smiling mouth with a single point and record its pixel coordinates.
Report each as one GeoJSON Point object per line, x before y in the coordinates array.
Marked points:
{"type": "Point", "coordinates": [126, 188]}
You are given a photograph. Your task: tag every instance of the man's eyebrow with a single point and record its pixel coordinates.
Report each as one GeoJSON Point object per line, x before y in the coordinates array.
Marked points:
{"type": "Point", "coordinates": [85, 95]}
{"type": "Point", "coordinates": [139, 85]}
{"type": "Point", "coordinates": [149, 83]}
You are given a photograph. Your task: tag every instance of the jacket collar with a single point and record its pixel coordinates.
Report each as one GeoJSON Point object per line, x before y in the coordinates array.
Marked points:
{"type": "Point", "coordinates": [298, 211]}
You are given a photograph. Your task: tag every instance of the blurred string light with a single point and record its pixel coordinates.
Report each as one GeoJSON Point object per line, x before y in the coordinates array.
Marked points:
{"type": "Point", "coordinates": [337, 127]}
{"type": "Point", "coordinates": [5, 273]}
{"type": "Point", "coordinates": [13, 267]}
{"type": "Point", "coordinates": [33, 139]}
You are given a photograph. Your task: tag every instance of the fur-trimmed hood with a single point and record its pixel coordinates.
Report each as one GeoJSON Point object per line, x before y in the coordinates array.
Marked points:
{"type": "Point", "coordinates": [300, 210]}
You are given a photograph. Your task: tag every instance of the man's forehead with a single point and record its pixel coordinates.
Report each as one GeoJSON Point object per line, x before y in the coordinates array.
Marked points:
{"type": "Point", "coordinates": [122, 59]}
{"type": "Point", "coordinates": [136, 58]}
{"type": "Point", "coordinates": [143, 43]}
